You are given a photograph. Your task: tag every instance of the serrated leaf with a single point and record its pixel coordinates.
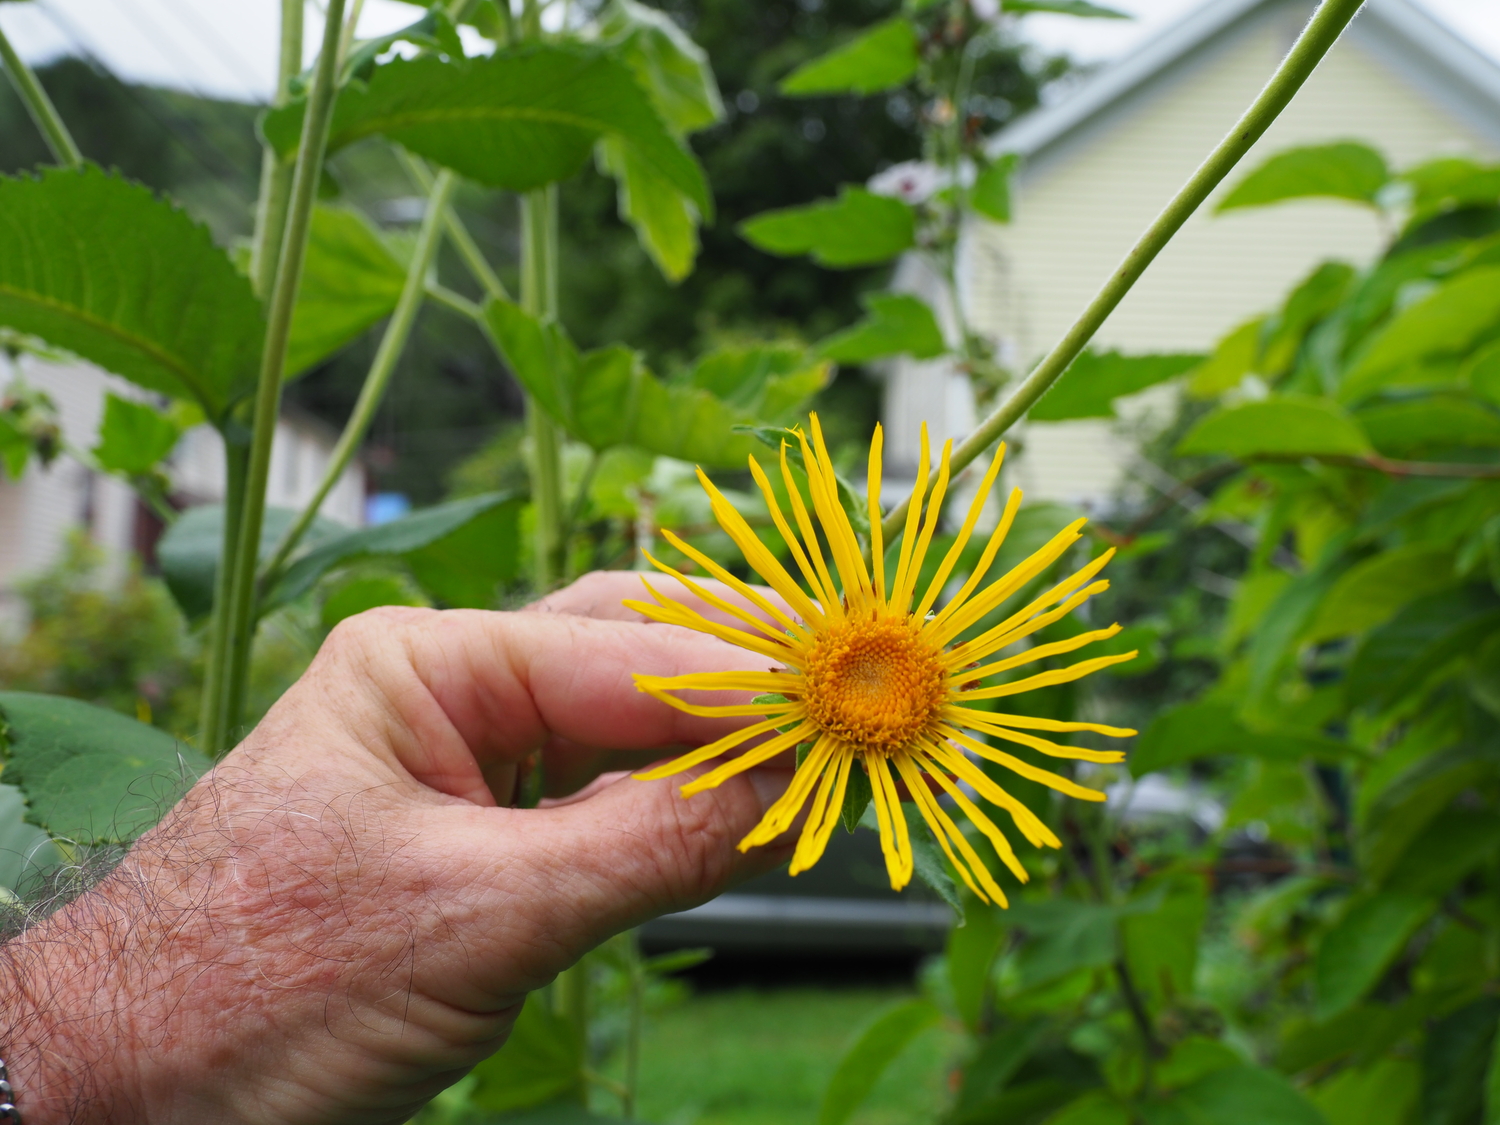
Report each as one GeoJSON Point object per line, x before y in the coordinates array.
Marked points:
{"type": "Point", "coordinates": [101, 267]}
{"type": "Point", "coordinates": [1288, 425]}
{"type": "Point", "coordinates": [1090, 385]}
{"type": "Point", "coordinates": [26, 852]}
{"type": "Point", "coordinates": [896, 324]}
{"type": "Point", "coordinates": [665, 220]}
{"type": "Point", "coordinates": [858, 228]}
{"type": "Point", "coordinates": [133, 436]}
{"type": "Point", "coordinates": [670, 67]}
{"type": "Point", "coordinates": [350, 281]}
{"type": "Point", "coordinates": [1345, 170]}
{"type": "Point", "coordinates": [770, 381]}
{"type": "Point", "coordinates": [879, 58]}
{"type": "Point", "coordinates": [91, 775]}
{"type": "Point", "coordinates": [873, 1050]}
{"type": "Point", "coordinates": [607, 398]}
{"type": "Point", "coordinates": [519, 119]}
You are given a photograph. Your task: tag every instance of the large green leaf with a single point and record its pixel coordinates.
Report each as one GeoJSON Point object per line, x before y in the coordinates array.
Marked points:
{"type": "Point", "coordinates": [875, 1048]}
{"type": "Point", "coordinates": [542, 1061]}
{"type": "Point", "coordinates": [91, 775]}
{"type": "Point", "coordinates": [100, 266]}
{"type": "Point", "coordinates": [26, 852]}
{"type": "Point", "coordinates": [519, 119]}
{"type": "Point", "coordinates": [669, 66]}
{"type": "Point", "coordinates": [856, 229]}
{"type": "Point", "coordinates": [665, 220]}
{"type": "Point", "coordinates": [1454, 1060]}
{"type": "Point", "coordinates": [1369, 592]}
{"type": "Point", "coordinates": [1089, 387]}
{"type": "Point", "coordinates": [1287, 425]}
{"type": "Point", "coordinates": [189, 552]}
{"type": "Point", "coordinates": [350, 280]}
{"type": "Point", "coordinates": [1243, 1095]}
{"type": "Point", "coordinates": [1161, 947]}
{"type": "Point", "coordinates": [896, 324]}
{"type": "Point", "coordinates": [606, 397]}
{"type": "Point", "coordinates": [1449, 320]}
{"type": "Point", "coordinates": [133, 436]}
{"type": "Point", "coordinates": [1234, 357]}
{"type": "Point", "coordinates": [1442, 421]}
{"type": "Point", "coordinates": [878, 58]}
{"type": "Point", "coordinates": [1400, 655]}
{"type": "Point", "coordinates": [1354, 955]}
{"type": "Point", "coordinates": [1399, 815]}
{"type": "Point", "coordinates": [1449, 848]}
{"type": "Point", "coordinates": [770, 381]}
{"type": "Point", "coordinates": [1346, 170]}
{"type": "Point", "coordinates": [990, 195]}
{"type": "Point", "coordinates": [1065, 936]}
{"type": "Point", "coordinates": [488, 557]}
{"type": "Point", "coordinates": [1191, 731]}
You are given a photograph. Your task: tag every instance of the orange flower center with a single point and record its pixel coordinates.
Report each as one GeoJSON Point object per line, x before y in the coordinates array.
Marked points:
{"type": "Point", "coordinates": [874, 683]}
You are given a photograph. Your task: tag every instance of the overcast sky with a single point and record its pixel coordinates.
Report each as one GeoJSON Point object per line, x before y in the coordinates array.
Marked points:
{"type": "Point", "coordinates": [227, 48]}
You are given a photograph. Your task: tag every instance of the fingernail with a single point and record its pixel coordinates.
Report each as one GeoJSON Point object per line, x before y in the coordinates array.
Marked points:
{"type": "Point", "coordinates": [769, 785]}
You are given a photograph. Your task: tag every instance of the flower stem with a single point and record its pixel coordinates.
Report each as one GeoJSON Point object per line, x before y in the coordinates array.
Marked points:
{"type": "Point", "coordinates": [539, 298]}
{"type": "Point", "coordinates": [212, 731]}
{"type": "Point", "coordinates": [1320, 34]}
{"type": "Point", "coordinates": [242, 593]}
{"type": "Point", "coordinates": [276, 172]}
{"type": "Point", "coordinates": [40, 106]}
{"type": "Point", "coordinates": [392, 344]}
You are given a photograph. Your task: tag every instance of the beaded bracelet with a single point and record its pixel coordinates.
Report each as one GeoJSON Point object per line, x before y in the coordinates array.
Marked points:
{"type": "Point", "coordinates": [8, 1111]}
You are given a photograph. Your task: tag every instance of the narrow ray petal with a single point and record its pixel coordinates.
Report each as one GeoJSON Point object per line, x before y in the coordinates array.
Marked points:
{"type": "Point", "coordinates": [675, 613]}
{"type": "Point", "coordinates": [1048, 679]}
{"type": "Point", "coordinates": [786, 624]}
{"type": "Point", "coordinates": [955, 552]}
{"type": "Point", "coordinates": [792, 540]}
{"type": "Point", "coordinates": [827, 806]}
{"type": "Point", "coordinates": [980, 819]}
{"type": "Point", "coordinates": [830, 597]}
{"type": "Point", "coordinates": [836, 529]}
{"type": "Point", "coordinates": [945, 629]}
{"type": "Point", "coordinates": [712, 750]}
{"type": "Point", "coordinates": [913, 514]}
{"type": "Point", "coordinates": [1051, 749]}
{"type": "Point", "coordinates": [963, 715]}
{"type": "Point", "coordinates": [970, 868]}
{"type": "Point", "coordinates": [1025, 620]}
{"type": "Point", "coordinates": [1025, 769]}
{"type": "Point", "coordinates": [895, 841]}
{"type": "Point", "coordinates": [779, 682]}
{"type": "Point", "coordinates": [726, 711]}
{"type": "Point", "coordinates": [755, 756]}
{"type": "Point", "coordinates": [859, 571]}
{"type": "Point", "coordinates": [877, 533]}
{"type": "Point", "coordinates": [1009, 632]}
{"type": "Point", "coordinates": [902, 596]}
{"type": "Point", "coordinates": [1036, 652]}
{"type": "Point", "coordinates": [779, 817]}
{"type": "Point", "coordinates": [1031, 825]}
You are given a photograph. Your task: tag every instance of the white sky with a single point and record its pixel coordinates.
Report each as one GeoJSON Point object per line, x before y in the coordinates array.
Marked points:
{"type": "Point", "coordinates": [228, 49]}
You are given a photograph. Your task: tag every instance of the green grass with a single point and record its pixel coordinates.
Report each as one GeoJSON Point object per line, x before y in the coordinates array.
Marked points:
{"type": "Point", "coordinates": [763, 1057]}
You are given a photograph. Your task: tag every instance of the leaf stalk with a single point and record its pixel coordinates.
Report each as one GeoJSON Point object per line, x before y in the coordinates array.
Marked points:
{"type": "Point", "coordinates": [40, 107]}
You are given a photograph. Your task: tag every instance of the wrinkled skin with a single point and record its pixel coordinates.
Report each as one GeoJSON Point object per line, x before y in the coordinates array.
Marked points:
{"type": "Point", "coordinates": [340, 920]}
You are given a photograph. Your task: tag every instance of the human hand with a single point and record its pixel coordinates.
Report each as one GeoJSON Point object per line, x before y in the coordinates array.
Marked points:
{"type": "Point", "coordinates": [338, 921]}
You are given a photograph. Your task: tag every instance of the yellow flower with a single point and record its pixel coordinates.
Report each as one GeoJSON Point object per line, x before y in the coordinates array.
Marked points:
{"type": "Point", "coordinates": [871, 675]}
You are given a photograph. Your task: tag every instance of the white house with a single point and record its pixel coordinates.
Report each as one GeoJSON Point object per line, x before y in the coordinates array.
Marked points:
{"type": "Point", "coordinates": [38, 511]}
{"type": "Point", "coordinates": [1099, 163]}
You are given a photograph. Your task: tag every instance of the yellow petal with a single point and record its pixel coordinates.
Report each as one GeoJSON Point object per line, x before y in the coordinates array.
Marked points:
{"type": "Point", "coordinates": [788, 536]}
{"type": "Point", "coordinates": [712, 750]}
{"type": "Point", "coordinates": [970, 868]}
{"type": "Point", "coordinates": [779, 682]}
{"type": "Point", "coordinates": [1051, 749]}
{"type": "Point", "coordinates": [836, 529]}
{"type": "Point", "coordinates": [997, 537]}
{"type": "Point", "coordinates": [877, 533]}
{"type": "Point", "coordinates": [901, 597]}
{"type": "Point", "coordinates": [1028, 822]}
{"type": "Point", "coordinates": [955, 552]}
{"type": "Point", "coordinates": [830, 597]}
{"type": "Point", "coordinates": [964, 715]}
{"type": "Point", "coordinates": [669, 612]}
{"type": "Point", "coordinates": [786, 623]}
{"type": "Point", "coordinates": [779, 817]}
{"type": "Point", "coordinates": [726, 711]}
{"type": "Point", "coordinates": [894, 840]}
{"type": "Point", "coordinates": [1025, 769]}
{"type": "Point", "coordinates": [827, 806]}
{"type": "Point", "coordinates": [1048, 679]}
{"type": "Point", "coordinates": [944, 630]}
{"type": "Point", "coordinates": [749, 759]}
{"type": "Point", "coordinates": [991, 831]}
{"type": "Point", "coordinates": [1037, 652]}
{"type": "Point", "coordinates": [913, 514]}
{"type": "Point", "coordinates": [1025, 621]}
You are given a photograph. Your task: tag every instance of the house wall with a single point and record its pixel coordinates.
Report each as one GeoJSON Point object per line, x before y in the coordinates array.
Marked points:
{"type": "Point", "coordinates": [1081, 203]}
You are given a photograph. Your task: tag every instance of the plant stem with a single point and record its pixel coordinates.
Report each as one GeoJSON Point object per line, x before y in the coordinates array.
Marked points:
{"type": "Point", "coordinates": [539, 298]}
{"type": "Point", "coordinates": [455, 302]}
{"type": "Point", "coordinates": [40, 106]}
{"type": "Point", "coordinates": [458, 234]}
{"type": "Point", "coordinates": [275, 172]}
{"type": "Point", "coordinates": [212, 728]}
{"type": "Point", "coordinates": [1320, 34]}
{"type": "Point", "coordinates": [392, 344]}
{"type": "Point", "coordinates": [636, 1028]}
{"type": "Point", "coordinates": [309, 166]}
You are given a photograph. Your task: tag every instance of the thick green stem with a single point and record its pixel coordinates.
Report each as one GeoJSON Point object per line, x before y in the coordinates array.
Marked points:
{"type": "Point", "coordinates": [458, 234]}
{"type": "Point", "coordinates": [275, 171]}
{"type": "Point", "coordinates": [392, 344]}
{"type": "Point", "coordinates": [242, 592]}
{"type": "Point", "coordinates": [1320, 34]}
{"type": "Point", "coordinates": [539, 298]}
{"type": "Point", "coordinates": [213, 731]}
{"type": "Point", "coordinates": [40, 106]}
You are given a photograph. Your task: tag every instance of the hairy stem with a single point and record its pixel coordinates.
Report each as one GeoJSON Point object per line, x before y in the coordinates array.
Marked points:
{"type": "Point", "coordinates": [276, 172]}
{"type": "Point", "coordinates": [539, 298]}
{"type": "Point", "coordinates": [213, 731]}
{"type": "Point", "coordinates": [242, 591]}
{"type": "Point", "coordinates": [1320, 34]}
{"type": "Point", "coordinates": [40, 107]}
{"type": "Point", "coordinates": [392, 344]}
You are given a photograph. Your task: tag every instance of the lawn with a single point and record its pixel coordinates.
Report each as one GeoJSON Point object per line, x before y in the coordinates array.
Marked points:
{"type": "Point", "coordinates": [763, 1057]}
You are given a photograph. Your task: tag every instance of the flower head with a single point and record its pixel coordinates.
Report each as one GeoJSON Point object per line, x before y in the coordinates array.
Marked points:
{"type": "Point", "coordinates": [876, 678]}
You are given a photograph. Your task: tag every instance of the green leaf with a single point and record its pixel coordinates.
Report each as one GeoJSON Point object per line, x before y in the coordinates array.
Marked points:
{"type": "Point", "coordinates": [542, 1061]}
{"type": "Point", "coordinates": [189, 552]}
{"type": "Point", "coordinates": [1449, 320]}
{"type": "Point", "coordinates": [360, 594]}
{"type": "Point", "coordinates": [1451, 846]}
{"type": "Point", "coordinates": [1400, 655]}
{"type": "Point", "coordinates": [1482, 373]}
{"type": "Point", "coordinates": [1065, 936]}
{"type": "Point", "coordinates": [1402, 429]}
{"type": "Point", "coordinates": [100, 266]}
{"type": "Point", "coordinates": [669, 66]}
{"type": "Point", "coordinates": [1369, 592]}
{"type": "Point", "coordinates": [773, 382]}
{"type": "Point", "coordinates": [1081, 8]}
{"type": "Point", "coordinates": [1288, 425]}
{"type": "Point", "coordinates": [897, 324]}
{"type": "Point", "coordinates": [1286, 621]}
{"type": "Point", "coordinates": [91, 775]}
{"type": "Point", "coordinates": [874, 1049]}
{"type": "Point", "coordinates": [133, 436]}
{"type": "Point", "coordinates": [15, 449]}
{"type": "Point", "coordinates": [996, 1061]}
{"type": "Point", "coordinates": [1161, 947]}
{"type": "Point", "coordinates": [1244, 1095]}
{"type": "Point", "coordinates": [1406, 806]}
{"type": "Point", "coordinates": [857, 798]}
{"type": "Point", "coordinates": [928, 861]}
{"type": "Point", "coordinates": [425, 539]}
{"type": "Point", "coordinates": [879, 58]}
{"type": "Point", "coordinates": [26, 852]}
{"type": "Point", "coordinates": [1354, 955]}
{"type": "Point", "coordinates": [857, 229]}
{"type": "Point", "coordinates": [665, 220]}
{"type": "Point", "coordinates": [606, 397]}
{"type": "Point", "coordinates": [1191, 731]}
{"type": "Point", "coordinates": [1233, 358]}
{"type": "Point", "coordinates": [1345, 170]}
{"type": "Point", "coordinates": [350, 281]}
{"type": "Point", "coordinates": [1090, 385]}
{"type": "Point", "coordinates": [990, 195]}
{"type": "Point", "coordinates": [1455, 1059]}
{"type": "Point", "coordinates": [519, 119]}
{"type": "Point", "coordinates": [1095, 1107]}
{"type": "Point", "coordinates": [1315, 297]}
{"type": "Point", "coordinates": [1194, 1057]}
{"type": "Point", "coordinates": [970, 955]}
